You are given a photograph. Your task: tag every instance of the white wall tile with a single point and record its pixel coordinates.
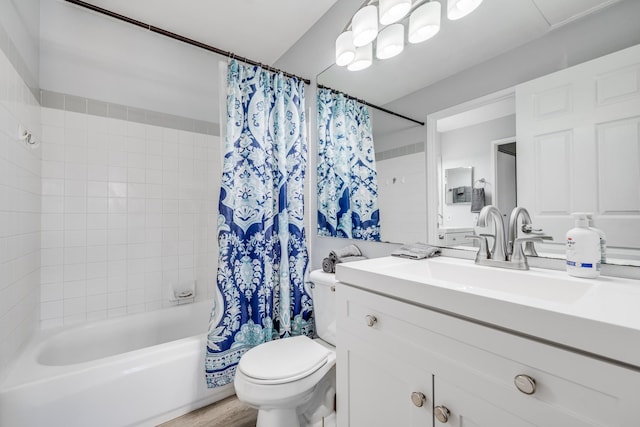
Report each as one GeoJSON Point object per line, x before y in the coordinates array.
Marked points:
{"type": "Point", "coordinates": [123, 208]}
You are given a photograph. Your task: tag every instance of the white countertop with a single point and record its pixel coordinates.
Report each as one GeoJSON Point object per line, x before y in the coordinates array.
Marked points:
{"type": "Point", "coordinates": [599, 316]}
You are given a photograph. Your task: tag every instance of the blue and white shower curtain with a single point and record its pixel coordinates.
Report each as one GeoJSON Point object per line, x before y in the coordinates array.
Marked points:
{"type": "Point", "coordinates": [347, 178]}
{"type": "Point", "coordinates": [263, 255]}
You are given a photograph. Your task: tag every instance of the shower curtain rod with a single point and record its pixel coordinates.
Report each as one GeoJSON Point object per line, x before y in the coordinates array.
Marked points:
{"type": "Point", "coordinates": [179, 37]}
{"type": "Point", "coordinates": [368, 104]}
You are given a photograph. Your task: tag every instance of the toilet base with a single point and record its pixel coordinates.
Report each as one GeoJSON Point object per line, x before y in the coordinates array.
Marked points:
{"type": "Point", "coordinates": [282, 417]}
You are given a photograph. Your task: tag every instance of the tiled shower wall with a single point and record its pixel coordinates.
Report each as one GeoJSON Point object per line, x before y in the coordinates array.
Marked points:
{"type": "Point", "coordinates": [128, 211]}
{"type": "Point", "coordinates": [19, 207]}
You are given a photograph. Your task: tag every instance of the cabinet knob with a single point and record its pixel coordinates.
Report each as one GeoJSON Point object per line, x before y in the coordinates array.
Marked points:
{"type": "Point", "coordinates": [442, 413]}
{"type": "Point", "coordinates": [371, 320]}
{"type": "Point", "coordinates": [418, 399]}
{"type": "Point", "coordinates": [525, 384]}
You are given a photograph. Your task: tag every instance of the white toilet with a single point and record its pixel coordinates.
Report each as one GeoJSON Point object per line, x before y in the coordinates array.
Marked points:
{"type": "Point", "coordinates": [292, 381]}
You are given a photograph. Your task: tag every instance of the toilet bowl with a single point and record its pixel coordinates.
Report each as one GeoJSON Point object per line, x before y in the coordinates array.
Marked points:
{"type": "Point", "coordinates": [292, 381]}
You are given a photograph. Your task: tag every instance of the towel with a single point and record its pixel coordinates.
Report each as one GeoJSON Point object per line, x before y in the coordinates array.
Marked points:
{"type": "Point", "coordinates": [477, 199]}
{"type": "Point", "coordinates": [351, 250]}
{"type": "Point", "coordinates": [417, 251]}
{"type": "Point", "coordinates": [329, 265]}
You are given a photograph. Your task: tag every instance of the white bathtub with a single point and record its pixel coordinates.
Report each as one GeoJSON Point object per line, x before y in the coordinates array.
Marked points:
{"type": "Point", "coordinates": [136, 370]}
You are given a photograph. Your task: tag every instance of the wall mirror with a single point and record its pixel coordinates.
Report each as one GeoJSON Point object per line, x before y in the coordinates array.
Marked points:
{"type": "Point", "coordinates": [483, 134]}
{"type": "Point", "coordinates": [457, 185]}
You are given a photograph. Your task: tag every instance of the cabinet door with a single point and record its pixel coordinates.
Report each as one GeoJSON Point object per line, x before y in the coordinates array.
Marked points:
{"type": "Point", "coordinates": [377, 388]}
{"type": "Point", "coordinates": [470, 410]}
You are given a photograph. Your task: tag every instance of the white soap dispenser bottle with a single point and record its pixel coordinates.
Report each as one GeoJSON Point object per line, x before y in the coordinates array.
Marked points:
{"type": "Point", "coordinates": [583, 249]}
{"type": "Point", "coordinates": [603, 238]}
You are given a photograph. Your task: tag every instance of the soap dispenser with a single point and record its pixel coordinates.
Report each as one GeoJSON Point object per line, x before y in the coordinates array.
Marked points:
{"type": "Point", "coordinates": [583, 249]}
{"type": "Point", "coordinates": [603, 238]}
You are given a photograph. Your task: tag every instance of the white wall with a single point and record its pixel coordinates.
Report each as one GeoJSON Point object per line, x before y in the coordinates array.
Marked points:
{"type": "Point", "coordinates": [128, 210]}
{"type": "Point", "coordinates": [116, 62]}
{"type": "Point", "coordinates": [19, 183]}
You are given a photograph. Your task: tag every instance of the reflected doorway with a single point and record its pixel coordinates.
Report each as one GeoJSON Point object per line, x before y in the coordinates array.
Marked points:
{"type": "Point", "coordinates": [505, 177]}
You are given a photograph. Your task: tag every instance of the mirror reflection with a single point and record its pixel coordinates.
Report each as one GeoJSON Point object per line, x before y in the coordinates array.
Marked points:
{"type": "Point", "coordinates": [539, 149]}
{"type": "Point", "coordinates": [371, 172]}
{"type": "Point", "coordinates": [457, 185]}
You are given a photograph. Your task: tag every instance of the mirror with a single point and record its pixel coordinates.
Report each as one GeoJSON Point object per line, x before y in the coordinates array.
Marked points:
{"type": "Point", "coordinates": [457, 185]}
{"type": "Point", "coordinates": [499, 110]}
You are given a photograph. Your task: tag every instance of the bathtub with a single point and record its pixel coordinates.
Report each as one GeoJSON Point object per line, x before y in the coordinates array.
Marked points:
{"type": "Point", "coordinates": [137, 370]}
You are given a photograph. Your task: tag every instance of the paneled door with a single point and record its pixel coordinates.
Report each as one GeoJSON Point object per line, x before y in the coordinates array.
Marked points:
{"type": "Point", "coordinates": [578, 133]}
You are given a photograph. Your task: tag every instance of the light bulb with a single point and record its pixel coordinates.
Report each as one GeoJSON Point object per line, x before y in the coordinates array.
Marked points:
{"type": "Point", "coordinates": [390, 41]}
{"type": "Point", "coordinates": [424, 22]}
{"type": "Point", "coordinates": [363, 59]}
{"type": "Point", "coordinates": [345, 50]}
{"type": "Point", "coordinates": [365, 25]}
{"type": "Point", "coordinates": [393, 10]}
{"type": "Point", "coordinates": [457, 9]}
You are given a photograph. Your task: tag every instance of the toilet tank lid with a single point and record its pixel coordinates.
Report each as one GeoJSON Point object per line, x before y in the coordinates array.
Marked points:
{"type": "Point", "coordinates": [319, 276]}
{"type": "Point", "coordinates": [284, 360]}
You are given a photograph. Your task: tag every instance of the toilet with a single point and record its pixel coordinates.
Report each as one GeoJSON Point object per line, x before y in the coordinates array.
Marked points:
{"type": "Point", "coordinates": [292, 381]}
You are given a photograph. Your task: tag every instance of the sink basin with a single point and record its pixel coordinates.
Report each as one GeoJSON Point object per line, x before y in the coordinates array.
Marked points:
{"type": "Point", "coordinates": [549, 285]}
{"type": "Point", "coordinates": [465, 275]}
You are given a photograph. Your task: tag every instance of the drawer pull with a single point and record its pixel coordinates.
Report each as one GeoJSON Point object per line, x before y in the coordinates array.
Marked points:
{"type": "Point", "coordinates": [525, 384]}
{"type": "Point", "coordinates": [371, 320]}
{"type": "Point", "coordinates": [442, 413]}
{"type": "Point", "coordinates": [418, 399]}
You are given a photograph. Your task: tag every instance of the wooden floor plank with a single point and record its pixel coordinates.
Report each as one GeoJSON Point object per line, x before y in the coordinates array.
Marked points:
{"type": "Point", "coordinates": [229, 412]}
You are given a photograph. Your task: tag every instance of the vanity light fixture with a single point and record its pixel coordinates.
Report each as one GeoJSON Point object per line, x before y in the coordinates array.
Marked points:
{"type": "Point", "coordinates": [424, 23]}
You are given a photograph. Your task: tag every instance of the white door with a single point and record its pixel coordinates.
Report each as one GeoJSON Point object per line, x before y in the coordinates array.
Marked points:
{"type": "Point", "coordinates": [578, 134]}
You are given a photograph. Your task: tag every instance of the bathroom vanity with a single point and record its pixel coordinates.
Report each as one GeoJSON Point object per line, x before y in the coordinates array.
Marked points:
{"type": "Point", "coordinates": [445, 341]}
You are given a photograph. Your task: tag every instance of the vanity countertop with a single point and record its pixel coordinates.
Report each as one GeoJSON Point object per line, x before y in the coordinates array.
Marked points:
{"type": "Point", "coordinates": [598, 316]}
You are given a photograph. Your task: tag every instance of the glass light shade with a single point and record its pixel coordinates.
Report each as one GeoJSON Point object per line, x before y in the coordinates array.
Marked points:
{"type": "Point", "coordinates": [424, 22]}
{"type": "Point", "coordinates": [390, 41]}
{"type": "Point", "coordinates": [393, 10]}
{"type": "Point", "coordinates": [457, 9]}
{"type": "Point", "coordinates": [345, 50]}
{"type": "Point", "coordinates": [364, 58]}
{"type": "Point", "coordinates": [365, 25]}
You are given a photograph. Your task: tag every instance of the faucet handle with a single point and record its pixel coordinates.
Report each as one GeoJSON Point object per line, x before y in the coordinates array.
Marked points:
{"type": "Point", "coordinates": [483, 252]}
{"type": "Point", "coordinates": [518, 256]}
{"type": "Point", "coordinates": [528, 229]}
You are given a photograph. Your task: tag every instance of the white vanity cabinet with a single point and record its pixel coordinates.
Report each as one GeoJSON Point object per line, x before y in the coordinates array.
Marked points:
{"type": "Point", "coordinates": [403, 364]}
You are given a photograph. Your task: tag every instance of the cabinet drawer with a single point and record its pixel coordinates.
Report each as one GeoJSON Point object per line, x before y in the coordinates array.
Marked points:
{"type": "Point", "coordinates": [571, 389]}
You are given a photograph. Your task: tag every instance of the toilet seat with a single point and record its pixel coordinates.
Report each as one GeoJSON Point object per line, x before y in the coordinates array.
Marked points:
{"type": "Point", "coordinates": [283, 361]}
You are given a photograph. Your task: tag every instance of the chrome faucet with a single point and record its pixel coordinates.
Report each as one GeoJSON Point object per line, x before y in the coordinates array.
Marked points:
{"type": "Point", "coordinates": [499, 250]}
{"type": "Point", "coordinates": [526, 228]}
{"type": "Point", "coordinates": [503, 254]}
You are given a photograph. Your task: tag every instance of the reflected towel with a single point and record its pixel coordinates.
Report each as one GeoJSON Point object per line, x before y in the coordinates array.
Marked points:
{"type": "Point", "coordinates": [351, 250]}
{"type": "Point", "coordinates": [477, 199]}
{"type": "Point", "coordinates": [417, 251]}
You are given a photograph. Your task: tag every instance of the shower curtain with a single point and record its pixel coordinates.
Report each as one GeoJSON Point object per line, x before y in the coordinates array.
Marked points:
{"type": "Point", "coordinates": [347, 178]}
{"type": "Point", "coordinates": [263, 254]}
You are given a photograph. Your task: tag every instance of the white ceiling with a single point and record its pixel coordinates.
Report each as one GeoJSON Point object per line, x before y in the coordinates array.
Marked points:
{"type": "Point", "coordinates": [261, 30]}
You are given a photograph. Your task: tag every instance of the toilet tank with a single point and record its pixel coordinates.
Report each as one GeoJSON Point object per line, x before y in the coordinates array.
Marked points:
{"type": "Point", "coordinates": [324, 308]}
